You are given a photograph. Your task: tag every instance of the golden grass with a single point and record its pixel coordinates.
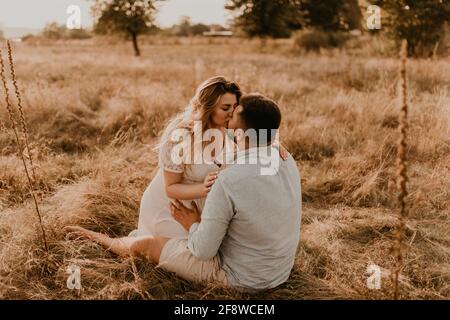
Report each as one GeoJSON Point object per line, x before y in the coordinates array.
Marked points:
{"type": "Point", "coordinates": [24, 131]}
{"type": "Point", "coordinates": [20, 108]}
{"type": "Point", "coordinates": [94, 112]}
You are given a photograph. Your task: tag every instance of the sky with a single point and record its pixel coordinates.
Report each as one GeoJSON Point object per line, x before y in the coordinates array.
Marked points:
{"type": "Point", "coordinates": [36, 13]}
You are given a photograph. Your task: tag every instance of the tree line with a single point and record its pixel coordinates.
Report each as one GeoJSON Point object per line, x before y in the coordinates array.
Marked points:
{"type": "Point", "coordinates": [421, 22]}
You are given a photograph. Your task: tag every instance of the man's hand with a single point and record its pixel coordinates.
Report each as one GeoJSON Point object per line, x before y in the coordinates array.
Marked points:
{"type": "Point", "coordinates": [186, 217]}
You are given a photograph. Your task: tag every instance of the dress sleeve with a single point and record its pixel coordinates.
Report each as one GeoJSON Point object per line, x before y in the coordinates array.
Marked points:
{"type": "Point", "coordinates": [170, 158]}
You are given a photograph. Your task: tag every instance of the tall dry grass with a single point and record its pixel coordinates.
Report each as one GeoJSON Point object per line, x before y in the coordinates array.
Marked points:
{"type": "Point", "coordinates": [20, 108]}
{"type": "Point", "coordinates": [94, 114]}
{"type": "Point", "coordinates": [19, 142]}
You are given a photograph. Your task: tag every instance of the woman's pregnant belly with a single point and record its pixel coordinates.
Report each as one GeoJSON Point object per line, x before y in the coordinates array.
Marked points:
{"type": "Point", "coordinates": [155, 217]}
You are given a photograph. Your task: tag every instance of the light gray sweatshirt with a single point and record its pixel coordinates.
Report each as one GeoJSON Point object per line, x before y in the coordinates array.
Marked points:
{"type": "Point", "coordinates": [252, 220]}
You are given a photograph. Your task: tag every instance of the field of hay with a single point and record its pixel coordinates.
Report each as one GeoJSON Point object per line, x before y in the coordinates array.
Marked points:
{"type": "Point", "coordinates": [94, 113]}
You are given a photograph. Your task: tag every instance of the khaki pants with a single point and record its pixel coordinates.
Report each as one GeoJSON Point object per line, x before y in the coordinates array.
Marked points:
{"type": "Point", "coordinates": [176, 257]}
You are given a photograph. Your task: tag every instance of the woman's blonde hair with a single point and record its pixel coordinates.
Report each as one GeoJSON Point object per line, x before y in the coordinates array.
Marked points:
{"type": "Point", "coordinates": [202, 106]}
{"type": "Point", "coordinates": [205, 100]}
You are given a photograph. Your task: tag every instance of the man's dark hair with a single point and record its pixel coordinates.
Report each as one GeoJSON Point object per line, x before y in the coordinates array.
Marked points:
{"type": "Point", "coordinates": [260, 112]}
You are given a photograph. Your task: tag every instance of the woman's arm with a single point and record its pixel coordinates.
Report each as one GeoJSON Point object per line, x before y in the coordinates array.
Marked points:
{"type": "Point", "coordinates": [175, 189]}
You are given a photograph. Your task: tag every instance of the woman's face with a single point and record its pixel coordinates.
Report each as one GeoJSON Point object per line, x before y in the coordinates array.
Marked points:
{"type": "Point", "coordinates": [223, 112]}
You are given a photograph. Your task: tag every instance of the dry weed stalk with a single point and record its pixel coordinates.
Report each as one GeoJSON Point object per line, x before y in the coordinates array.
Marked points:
{"type": "Point", "coordinates": [402, 177]}
{"type": "Point", "coordinates": [19, 106]}
{"type": "Point", "coordinates": [19, 144]}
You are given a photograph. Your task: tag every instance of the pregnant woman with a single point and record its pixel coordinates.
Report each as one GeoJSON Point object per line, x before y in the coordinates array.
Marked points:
{"type": "Point", "coordinates": [211, 107]}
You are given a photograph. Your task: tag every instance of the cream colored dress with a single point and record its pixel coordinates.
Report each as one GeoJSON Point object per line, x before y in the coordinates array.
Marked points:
{"type": "Point", "coordinates": [154, 217]}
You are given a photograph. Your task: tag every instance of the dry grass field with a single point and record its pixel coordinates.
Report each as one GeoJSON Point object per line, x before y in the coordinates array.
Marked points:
{"type": "Point", "coordinates": [94, 113]}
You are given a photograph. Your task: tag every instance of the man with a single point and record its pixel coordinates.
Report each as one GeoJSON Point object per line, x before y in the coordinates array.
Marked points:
{"type": "Point", "coordinates": [249, 229]}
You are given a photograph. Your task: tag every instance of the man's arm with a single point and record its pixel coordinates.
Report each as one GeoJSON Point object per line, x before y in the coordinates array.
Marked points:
{"type": "Point", "coordinates": [206, 237]}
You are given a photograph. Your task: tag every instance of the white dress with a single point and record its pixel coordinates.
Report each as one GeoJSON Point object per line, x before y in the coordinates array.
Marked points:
{"type": "Point", "coordinates": [155, 218]}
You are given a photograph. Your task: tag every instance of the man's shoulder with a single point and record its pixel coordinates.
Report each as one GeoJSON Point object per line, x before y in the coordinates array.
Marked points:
{"type": "Point", "coordinates": [291, 163]}
{"type": "Point", "coordinates": [233, 176]}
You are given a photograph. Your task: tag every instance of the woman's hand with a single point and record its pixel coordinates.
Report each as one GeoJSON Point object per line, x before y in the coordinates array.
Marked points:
{"type": "Point", "coordinates": [284, 154]}
{"type": "Point", "coordinates": [209, 181]}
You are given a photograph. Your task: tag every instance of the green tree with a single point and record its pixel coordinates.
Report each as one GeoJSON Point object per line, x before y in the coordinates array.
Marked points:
{"type": "Point", "coordinates": [277, 18]}
{"type": "Point", "coordinates": [273, 18]}
{"type": "Point", "coordinates": [129, 17]}
{"type": "Point", "coordinates": [352, 13]}
{"type": "Point", "coordinates": [420, 22]}
{"type": "Point", "coordinates": [331, 15]}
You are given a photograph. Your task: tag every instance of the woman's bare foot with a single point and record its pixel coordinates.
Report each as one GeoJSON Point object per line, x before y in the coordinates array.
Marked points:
{"type": "Point", "coordinates": [80, 232]}
{"type": "Point", "coordinates": [120, 246]}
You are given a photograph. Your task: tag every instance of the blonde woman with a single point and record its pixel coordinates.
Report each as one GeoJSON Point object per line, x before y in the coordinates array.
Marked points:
{"type": "Point", "coordinates": [211, 107]}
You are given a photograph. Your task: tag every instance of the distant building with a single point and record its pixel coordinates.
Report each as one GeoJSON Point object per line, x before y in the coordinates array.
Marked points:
{"type": "Point", "coordinates": [218, 33]}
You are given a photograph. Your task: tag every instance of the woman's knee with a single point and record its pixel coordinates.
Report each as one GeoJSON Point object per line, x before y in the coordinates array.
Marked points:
{"type": "Point", "coordinates": [149, 248]}
{"type": "Point", "coordinates": [139, 247]}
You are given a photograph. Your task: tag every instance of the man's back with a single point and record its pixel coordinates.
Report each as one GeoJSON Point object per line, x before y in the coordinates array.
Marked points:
{"type": "Point", "coordinates": [259, 247]}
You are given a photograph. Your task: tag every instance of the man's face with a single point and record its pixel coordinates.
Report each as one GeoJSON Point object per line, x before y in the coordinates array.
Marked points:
{"type": "Point", "coordinates": [236, 121]}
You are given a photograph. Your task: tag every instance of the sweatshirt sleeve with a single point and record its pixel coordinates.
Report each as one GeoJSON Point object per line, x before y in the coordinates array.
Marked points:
{"type": "Point", "coordinates": [206, 237]}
